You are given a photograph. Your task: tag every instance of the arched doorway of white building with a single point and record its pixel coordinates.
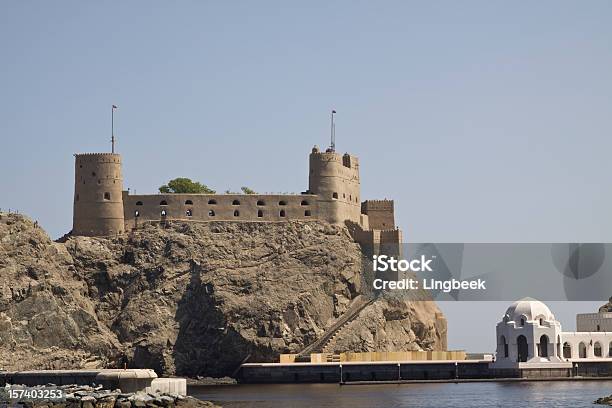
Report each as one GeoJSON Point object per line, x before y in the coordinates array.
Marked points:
{"type": "Point", "coordinates": [543, 346]}
{"type": "Point", "coordinates": [567, 350]}
{"type": "Point", "coordinates": [522, 348]}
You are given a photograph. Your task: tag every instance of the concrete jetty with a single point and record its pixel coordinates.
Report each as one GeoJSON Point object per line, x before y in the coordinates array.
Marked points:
{"type": "Point", "coordinates": [404, 371]}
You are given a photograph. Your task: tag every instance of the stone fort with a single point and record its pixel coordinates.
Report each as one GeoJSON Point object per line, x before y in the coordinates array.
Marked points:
{"type": "Point", "coordinates": [103, 208]}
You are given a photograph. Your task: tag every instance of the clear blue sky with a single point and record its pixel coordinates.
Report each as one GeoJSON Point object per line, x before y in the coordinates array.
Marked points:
{"type": "Point", "coordinates": [486, 121]}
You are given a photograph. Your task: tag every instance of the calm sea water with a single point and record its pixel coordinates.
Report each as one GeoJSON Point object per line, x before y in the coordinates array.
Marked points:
{"type": "Point", "coordinates": [517, 395]}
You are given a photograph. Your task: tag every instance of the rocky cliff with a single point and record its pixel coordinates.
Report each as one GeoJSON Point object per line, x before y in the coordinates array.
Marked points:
{"type": "Point", "coordinates": [607, 307]}
{"type": "Point", "coordinates": [191, 299]}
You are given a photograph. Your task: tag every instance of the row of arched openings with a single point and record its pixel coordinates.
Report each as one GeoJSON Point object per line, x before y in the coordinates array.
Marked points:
{"type": "Point", "coordinates": [211, 213]}
{"type": "Point", "coordinates": [582, 350]}
{"type": "Point", "coordinates": [260, 203]}
{"type": "Point", "coordinates": [542, 348]}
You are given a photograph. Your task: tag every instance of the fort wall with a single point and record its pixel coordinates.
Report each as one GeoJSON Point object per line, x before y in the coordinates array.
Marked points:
{"type": "Point", "coordinates": [380, 213]}
{"type": "Point", "coordinates": [218, 207]}
{"type": "Point", "coordinates": [375, 241]}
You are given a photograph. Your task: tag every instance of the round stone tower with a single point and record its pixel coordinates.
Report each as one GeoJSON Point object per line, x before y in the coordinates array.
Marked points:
{"type": "Point", "coordinates": [335, 179]}
{"type": "Point", "coordinates": [98, 201]}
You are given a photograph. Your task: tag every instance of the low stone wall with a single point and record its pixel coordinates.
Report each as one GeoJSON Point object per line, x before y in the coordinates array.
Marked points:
{"type": "Point", "coordinates": [404, 356]}
{"type": "Point", "coordinates": [381, 356]}
{"type": "Point", "coordinates": [593, 369]}
{"type": "Point", "coordinates": [176, 386]}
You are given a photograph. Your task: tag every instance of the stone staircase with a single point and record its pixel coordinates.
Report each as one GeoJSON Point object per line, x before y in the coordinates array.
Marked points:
{"type": "Point", "coordinates": [325, 341]}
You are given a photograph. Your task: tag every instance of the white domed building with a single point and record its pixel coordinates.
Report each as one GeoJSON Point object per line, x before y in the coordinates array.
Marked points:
{"type": "Point", "coordinates": [530, 336]}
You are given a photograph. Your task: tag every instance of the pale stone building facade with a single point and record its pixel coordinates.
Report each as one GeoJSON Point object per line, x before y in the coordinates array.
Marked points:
{"type": "Point", "coordinates": [529, 336]}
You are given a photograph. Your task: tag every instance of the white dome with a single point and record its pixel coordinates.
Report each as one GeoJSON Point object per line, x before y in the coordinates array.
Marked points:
{"type": "Point", "coordinates": [529, 309]}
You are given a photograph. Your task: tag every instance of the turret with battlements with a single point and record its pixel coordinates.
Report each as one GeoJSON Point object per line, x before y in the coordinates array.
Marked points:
{"type": "Point", "coordinates": [98, 202]}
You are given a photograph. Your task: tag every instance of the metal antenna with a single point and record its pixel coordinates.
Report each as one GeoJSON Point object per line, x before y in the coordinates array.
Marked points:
{"type": "Point", "coordinates": [333, 131]}
{"type": "Point", "coordinates": [113, 128]}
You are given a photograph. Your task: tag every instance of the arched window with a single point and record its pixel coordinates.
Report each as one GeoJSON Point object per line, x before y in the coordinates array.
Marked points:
{"type": "Point", "coordinates": [212, 202]}
{"type": "Point", "coordinates": [335, 195]}
{"type": "Point", "coordinates": [282, 213]}
{"type": "Point", "coordinates": [541, 322]}
{"type": "Point", "coordinates": [163, 213]}
{"type": "Point", "coordinates": [307, 213]}
{"type": "Point", "coordinates": [163, 202]}
{"type": "Point", "coordinates": [522, 321]}
{"type": "Point", "coordinates": [138, 202]}
{"type": "Point", "coordinates": [522, 348]}
{"type": "Point", "coordinates": [567, 350]}
{"type": "Point", "coordinates": [304, 202]}
{"type": "Point", "coordinates": [261, 202]}
{"type": "Point", "coordinates": [597, 349]}
{"type": "Point", "coordinates": [188, 202]}
{"type": "Point", "coordinates": [582, 350]}
{"type": "Point", "coordinates": [211, 213]}
{"type": "Point", "coordinates": [504, 346]}
{"type": "Point", "coordinates": [282, 202]}
{"type": "Point", "coordinates": [136, 213]}
{"type": "Point", "coordinates": [107, 196]}
{"type": "Point", "coordinates": [188, 212]}
{"type": "Point", "coordinates": [598, 328]}
{"type": "Point", "coordinates": [236, 213]}
{"type": "Point", "coordinates": [235, 202]}
{"type": "Point", "coordinates": [259, 213]}
{"type": "Point", "coordinates": [543, 346]}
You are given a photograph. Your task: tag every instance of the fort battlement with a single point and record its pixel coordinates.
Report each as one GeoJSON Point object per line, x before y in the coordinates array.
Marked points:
{"type": "Point", "coordinates": [98, 157]}
{"type": "Point", "coordinates": [98, 154]}
{"type": "Point", "coordinates": [376, 205]}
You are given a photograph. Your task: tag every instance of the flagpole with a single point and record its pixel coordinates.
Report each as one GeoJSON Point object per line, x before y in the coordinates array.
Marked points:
{"type": "Point", "coordinates": [333, 131]}
{"type": "Point", "coordinates": [112, 129]}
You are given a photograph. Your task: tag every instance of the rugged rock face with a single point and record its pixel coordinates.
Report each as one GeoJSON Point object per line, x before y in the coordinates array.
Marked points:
{"type": "Point", "coordinates": [392, 324]}
{"type": "Point", "coordinates": [607, 307]}
{"type": "Point", "coordinates": [190, 299]}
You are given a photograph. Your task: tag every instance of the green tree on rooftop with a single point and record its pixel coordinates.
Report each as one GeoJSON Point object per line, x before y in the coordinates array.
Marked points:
{"type": "Point", "coordinates": [247, 190]}
{"type": "Point", "coordinates": [183, 185]}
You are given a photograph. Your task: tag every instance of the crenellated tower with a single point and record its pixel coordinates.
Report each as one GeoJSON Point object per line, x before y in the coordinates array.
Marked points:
{"type": "Point", "coordinates": [335, 179]}
{"type": "Point", "coordinates": [98, 203]}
